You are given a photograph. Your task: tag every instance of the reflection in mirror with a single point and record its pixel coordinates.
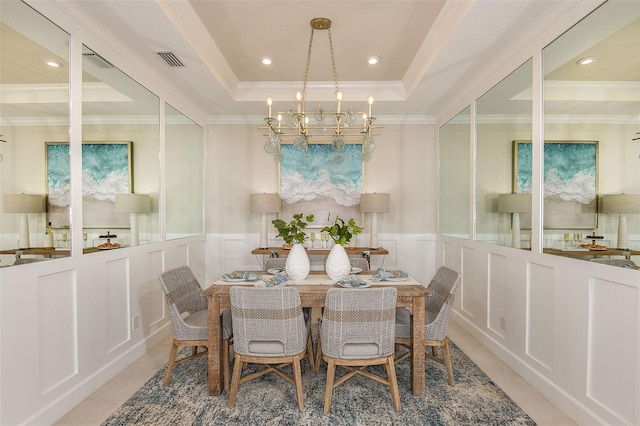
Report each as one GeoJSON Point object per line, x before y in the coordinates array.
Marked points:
{"type": "Point", "coordinates": [594, 101]}
{"type": "Point", "coordinates": [184, 175]}
{"type": "Point", "coordinates": [454, 188]}
{"type": "Point", "coordinates": [34, 108]}
{"type": "Point", "coordinates": [503, 115]}
{"type": "Point", "coordinates": [120, 157]}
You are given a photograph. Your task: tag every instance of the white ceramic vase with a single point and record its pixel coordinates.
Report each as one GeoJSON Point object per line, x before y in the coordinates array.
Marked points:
{"type": "Point", "coordinates": [338, 265]}
{"type": "Point", "coordinates": [297, 265]}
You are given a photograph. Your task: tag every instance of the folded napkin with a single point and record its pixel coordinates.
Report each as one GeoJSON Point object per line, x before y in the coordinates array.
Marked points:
{"type": "Point", "coordinates": [384, 274]}
{"type": "Point", "coordinates": [246, 276]}
{"type": "Point", "coordinates": [278, 279]}
{"type": "Point", "coordinates": [353, 281]}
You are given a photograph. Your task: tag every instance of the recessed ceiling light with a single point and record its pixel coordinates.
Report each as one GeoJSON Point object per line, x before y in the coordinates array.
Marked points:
{"type": "Point", "coordinates": [266, 61]}
{"type": "Point", "coordinates": [586, 60]}
{"type": "Point", "coordinates": [53, 64]}
{"type": "Point", "coordinates": [372, 60]}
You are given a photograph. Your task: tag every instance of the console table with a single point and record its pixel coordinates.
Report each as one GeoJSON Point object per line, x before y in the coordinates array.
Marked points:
{"type": "Point", "coordinates": [50, 252]}
{"type": "Point", "coordinates": [595, 253]}
{"type": "Point", "coordinates": [365, 252]}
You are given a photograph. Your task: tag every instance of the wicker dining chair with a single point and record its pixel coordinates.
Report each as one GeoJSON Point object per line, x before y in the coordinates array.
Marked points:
{"type": "Point", "coordinates": [359, 262]}
{"type": "Point", "coordinates": [357, 331]}
{"type": "Point", "coordinates": [188, 310]}
{"type": "Point", "coordinates": [269, 329]}
{"type": "Point", "coordinates": [438, 308]}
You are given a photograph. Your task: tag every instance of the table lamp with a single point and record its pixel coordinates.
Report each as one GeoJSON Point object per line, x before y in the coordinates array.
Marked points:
{"type": "Point", "coordinates": [621, 204]}
{"type": "Point", "coordinates": [133, 204]}
{"type": "Point", "coordinates": [263, 204]}
{"type": "Point", "coordinates": [23, 204]}
{"type": "Point", "coordinates": [374, 203]}
{"type": "Point", "coordinates": [514, 204]}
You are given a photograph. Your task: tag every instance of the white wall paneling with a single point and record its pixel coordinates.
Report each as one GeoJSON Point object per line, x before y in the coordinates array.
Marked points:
{"type": "Point", "coordinates": [611, 360]}
{"type": "Point", "coordinates": [117, 303]}
{"type": "Point", "coordinates": [57, 329]}
{"type": "Point", "coordinates": [572, 326]}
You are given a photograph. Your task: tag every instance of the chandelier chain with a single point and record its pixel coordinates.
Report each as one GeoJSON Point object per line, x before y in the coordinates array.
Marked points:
{"type": "Point", "coordinates": [333, 61]}
{"type": "Point", "coordinates": [306, 70]}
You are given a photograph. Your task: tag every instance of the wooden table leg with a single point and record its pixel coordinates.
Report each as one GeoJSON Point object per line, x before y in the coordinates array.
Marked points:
{"type": "Point", "coordinates": [417, 346]}
{"type": "Point", "coordinates": [215, 344]}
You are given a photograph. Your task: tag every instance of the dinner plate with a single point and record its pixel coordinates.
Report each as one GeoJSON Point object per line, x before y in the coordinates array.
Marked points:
{"type": "Point", "coordinates": [356, 270]}
{"type": "Point", "coordinates": [345, 285]}
{"type": "Point", "coordinates": [397, 279]}
{"type": "Point", "coordinates": [240, 277]}
{"type": "Point", "coordinates": [274, 271]}
{"type": "Point", "coordinates": [234, 280]}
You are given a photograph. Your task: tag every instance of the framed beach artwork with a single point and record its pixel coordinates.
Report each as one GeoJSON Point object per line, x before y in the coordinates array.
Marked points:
{"type": "Point", "coordinates": [106, 171]}
{"type": "Point", "coordinates": [321, 182]}
{"type": "Point", "coordinates": [570, 182]}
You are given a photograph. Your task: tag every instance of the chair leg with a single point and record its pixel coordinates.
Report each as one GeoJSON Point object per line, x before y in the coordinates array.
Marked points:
{"type": "Point", "coordinates": [318, 356]}
{"type": "Point", "coordinates": [393, 383]}
{"type": "Point", "coordinates": [310, 353]}
{"type": "Point", "coordinates": [331, 371]}
{"type": "Point", "coordinates": [235, 381]}
{"type": "Point", "coordinates": [447, 361]}
{"type": "Point", "coordinates": [225, 364]}
{"type": "Point", "coordinates": [297, 375]}
{"type": "Point", "coordinates": [172, 361]}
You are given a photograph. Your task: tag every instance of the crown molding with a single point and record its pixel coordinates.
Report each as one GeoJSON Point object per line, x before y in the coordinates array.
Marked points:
{"type": "Point", "coordinates": [255, 91]}
{"type": "Point", "coordinates": [256, 120]}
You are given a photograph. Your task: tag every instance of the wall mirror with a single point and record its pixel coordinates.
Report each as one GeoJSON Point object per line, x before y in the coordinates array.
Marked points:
{"type": "Point", "coordinates": [184, 175]}
{"type": "Point", "coordinates": [591, 85]}
{"type": "Point", "coordinates": [120, 157]}
{"type": "Point", "coordinates": [34, 108]}
{"type": "Point", "coordinates": [503, 115]}
{"type": "Point", "coordinates": [454, 151]}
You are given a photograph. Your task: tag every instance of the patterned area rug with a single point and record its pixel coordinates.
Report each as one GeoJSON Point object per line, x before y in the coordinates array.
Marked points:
{"type": "Point", "coordinates": [269, 400]}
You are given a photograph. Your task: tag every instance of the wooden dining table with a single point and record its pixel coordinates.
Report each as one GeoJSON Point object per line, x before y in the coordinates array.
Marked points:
{"type": "Point", "coordinates": [313, 290]}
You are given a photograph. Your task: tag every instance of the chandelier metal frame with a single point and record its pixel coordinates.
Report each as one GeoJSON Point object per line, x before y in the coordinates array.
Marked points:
{"type": "Point", "coordinates": [336, 127]}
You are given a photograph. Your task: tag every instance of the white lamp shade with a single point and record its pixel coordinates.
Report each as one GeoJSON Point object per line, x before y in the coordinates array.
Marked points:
{"type": "Point", "coordinates": [133, 203]}
{"type": "Point", "coordinates": [514, 203]}
{"type": "Point", "coordinates": [375, 203]}
{"type": "Point", "coordinates": [621, 203]}
{"type": "Point", "coordinates": [23, 203]}
{"type": "Point", "coordinates": [265, 203]}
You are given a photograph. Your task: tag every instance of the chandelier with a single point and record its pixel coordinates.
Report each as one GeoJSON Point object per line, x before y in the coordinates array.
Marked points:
{"type": "Point", "coordinates": [298, 127]}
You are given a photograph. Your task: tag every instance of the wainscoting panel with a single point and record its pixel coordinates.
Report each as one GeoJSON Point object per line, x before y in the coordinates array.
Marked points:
{"type": "Point", "coordinates": [58, 333]}
{"type": "Point", "coordinates": [540, 314]}
{"type": "Point", "coordinates": [468, 282]}
{"type": "Point", "coordinates": [497, 275]}
{"type": "Point", "coordinates": [151, 295]}
{"type": "Point", "coordinates": [117, 303]}
{"type": "Point", "coordinates": [613, 322]}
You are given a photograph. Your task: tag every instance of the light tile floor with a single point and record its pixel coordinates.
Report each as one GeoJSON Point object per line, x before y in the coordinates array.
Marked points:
{"type": "Point", "coordinates": [102, 403]}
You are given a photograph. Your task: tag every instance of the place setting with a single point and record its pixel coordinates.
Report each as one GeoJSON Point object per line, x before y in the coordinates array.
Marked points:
{"type": "Point", "coordinates": [389, 275]}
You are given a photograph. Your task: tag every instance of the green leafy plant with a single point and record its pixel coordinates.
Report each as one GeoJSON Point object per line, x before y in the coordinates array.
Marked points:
{"type": "Point", "coordinates": [294, 230]}
{"type": "Point", "coordinates": [342, 232]}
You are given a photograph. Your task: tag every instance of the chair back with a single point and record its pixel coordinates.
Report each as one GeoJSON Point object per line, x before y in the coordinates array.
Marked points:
{"type": "Point", "coordinates": [267, 321]}
{"type": "Point", "coordinates": [183, 294]}
{"type": "Point", "coordinates": [359, 323]}
{"type": "Point", "coordinates": [440, 303]}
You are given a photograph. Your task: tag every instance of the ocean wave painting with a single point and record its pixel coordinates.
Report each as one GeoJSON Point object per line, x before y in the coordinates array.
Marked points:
{"type": "Point", "coordinates": [106, 171]}
{"type": "Point", "coordinates": [570, 181]}
{"type": "Point", "coordinates": [308, 175]}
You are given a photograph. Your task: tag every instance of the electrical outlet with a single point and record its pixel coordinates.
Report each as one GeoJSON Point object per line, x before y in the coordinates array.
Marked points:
{"type": "Point", "coordinates": [503, 322]}
{"type": "Point", "coordinates": [135, 322]}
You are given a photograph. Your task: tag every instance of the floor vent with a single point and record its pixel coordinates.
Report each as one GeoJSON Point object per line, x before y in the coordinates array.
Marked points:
{"type": "Point", "coordinates": [171, 59]}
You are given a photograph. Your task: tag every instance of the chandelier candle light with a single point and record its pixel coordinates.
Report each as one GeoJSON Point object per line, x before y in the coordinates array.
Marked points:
{"type": "Point", "coordinates": [338, 127]}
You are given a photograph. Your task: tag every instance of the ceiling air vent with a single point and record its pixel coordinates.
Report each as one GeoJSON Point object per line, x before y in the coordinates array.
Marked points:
{"type": "Point", "coordinates": [97, 60]}
{"type": "Point", "coordinates": [171, 59]}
